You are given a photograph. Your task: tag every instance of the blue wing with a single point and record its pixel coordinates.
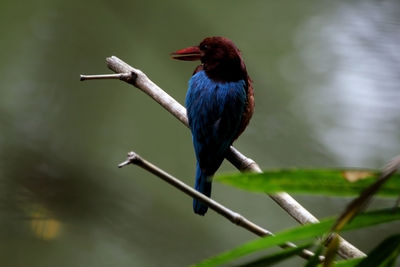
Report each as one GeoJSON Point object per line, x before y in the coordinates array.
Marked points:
{"type": "Point", "coordinates": [215, 112]}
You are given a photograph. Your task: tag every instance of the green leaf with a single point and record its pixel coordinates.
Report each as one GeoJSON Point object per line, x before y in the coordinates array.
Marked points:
{"type": "Point", "coordinates": [346, 182]}
{"type": "Point", "coordinates": [384, 255]}
{"type": "Point", "coordinates": [331, 250]}
{"type": "Point", "coordinates": [277, 257]}
{"type": "Point", "coordinates": [357, 204]}
{"type": "Point", "coordinates": [301, 233]}
{"type": "Point", "coordinates": [373, 218]}
{"type": "Point", "coordinates": [314, 260]}
{"type": "Point", "coordinates": [348, 263]}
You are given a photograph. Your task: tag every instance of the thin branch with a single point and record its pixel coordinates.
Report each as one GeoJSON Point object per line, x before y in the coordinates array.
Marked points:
{"type": "Point", "coordinates": [234, 217]}
{"type": "Point", "coordinates": [120, 76]}
{"type": "Point", "coordinates": [241, 162]}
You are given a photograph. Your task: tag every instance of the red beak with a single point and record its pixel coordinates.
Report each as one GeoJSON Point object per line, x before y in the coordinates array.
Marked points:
{"type": "Point", "coordinates": [189, 53]}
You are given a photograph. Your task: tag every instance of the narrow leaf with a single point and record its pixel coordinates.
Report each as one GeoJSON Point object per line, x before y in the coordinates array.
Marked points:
{"type": "Point", "coordinates": [346, 182]}
{"type": "Point", "coordinates": [384, 255]}
{"type": "Point", "coordinates": [348, 263]}
{"type": "Point", "coordinates": [277, 257]}
{"type": "Point", "coordinates": [331, 250]}
{"type": "Point", "coordinates": [301, 233]}
{"type": "Point", "coordinates": [362, 200]}
{"type": "Point", "coordinates": [314, 261]}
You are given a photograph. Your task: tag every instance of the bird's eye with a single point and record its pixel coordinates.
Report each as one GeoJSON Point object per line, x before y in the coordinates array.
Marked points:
{"type": "Point", "coordinates": [204, 47]}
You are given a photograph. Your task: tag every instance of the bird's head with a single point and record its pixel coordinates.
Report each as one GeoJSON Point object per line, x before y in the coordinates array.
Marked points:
{"type": "Point", "coordinates": [219, 56]}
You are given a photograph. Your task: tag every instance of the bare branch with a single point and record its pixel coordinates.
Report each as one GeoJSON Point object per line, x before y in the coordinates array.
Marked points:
{"type": "Point", "coordinates": [234, 217]}
{"type": "Point", "coordinates": [120, 76]}
{"type": "Point", "coordinates": [241, 162]}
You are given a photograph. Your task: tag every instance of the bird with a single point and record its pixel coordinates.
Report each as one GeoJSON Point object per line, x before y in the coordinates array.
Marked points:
{"type": "Point", "coordinates": [219, 105]}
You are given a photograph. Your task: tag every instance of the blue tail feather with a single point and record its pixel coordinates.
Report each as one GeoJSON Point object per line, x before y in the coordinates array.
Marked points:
{"type": "Point", "coordinates": [203, 185]}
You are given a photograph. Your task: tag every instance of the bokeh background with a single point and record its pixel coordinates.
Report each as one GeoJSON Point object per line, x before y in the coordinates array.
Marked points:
{"type": "Point", "coordinates": [326, 77]}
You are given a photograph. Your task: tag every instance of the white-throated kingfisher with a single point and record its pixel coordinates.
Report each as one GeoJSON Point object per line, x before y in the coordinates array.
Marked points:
{"type": "Point", "coordinates": [219, 103]}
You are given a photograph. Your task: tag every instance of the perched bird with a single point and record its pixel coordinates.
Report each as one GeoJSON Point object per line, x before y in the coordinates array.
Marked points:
{"type": "Point", "coordinates": [219, 103]}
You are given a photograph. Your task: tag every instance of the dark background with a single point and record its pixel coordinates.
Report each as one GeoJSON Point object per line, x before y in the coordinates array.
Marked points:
{"type": "Point", "coordinates": [326, 78]}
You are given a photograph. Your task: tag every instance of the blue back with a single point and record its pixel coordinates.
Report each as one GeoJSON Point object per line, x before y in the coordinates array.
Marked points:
{"type": "Point", "coordinates": [215, 112]}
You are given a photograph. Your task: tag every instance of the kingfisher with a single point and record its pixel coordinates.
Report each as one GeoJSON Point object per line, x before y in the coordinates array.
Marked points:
{"type": "Point", "coordinates": [219, 104]}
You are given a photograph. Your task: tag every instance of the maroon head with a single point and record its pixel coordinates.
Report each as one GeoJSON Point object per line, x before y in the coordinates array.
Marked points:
{"type": "Point", "coordinates": [220, 58]}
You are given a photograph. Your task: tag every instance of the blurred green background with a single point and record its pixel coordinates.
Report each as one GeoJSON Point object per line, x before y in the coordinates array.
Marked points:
{"type": "Point", "coordinates": [326, 79]}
